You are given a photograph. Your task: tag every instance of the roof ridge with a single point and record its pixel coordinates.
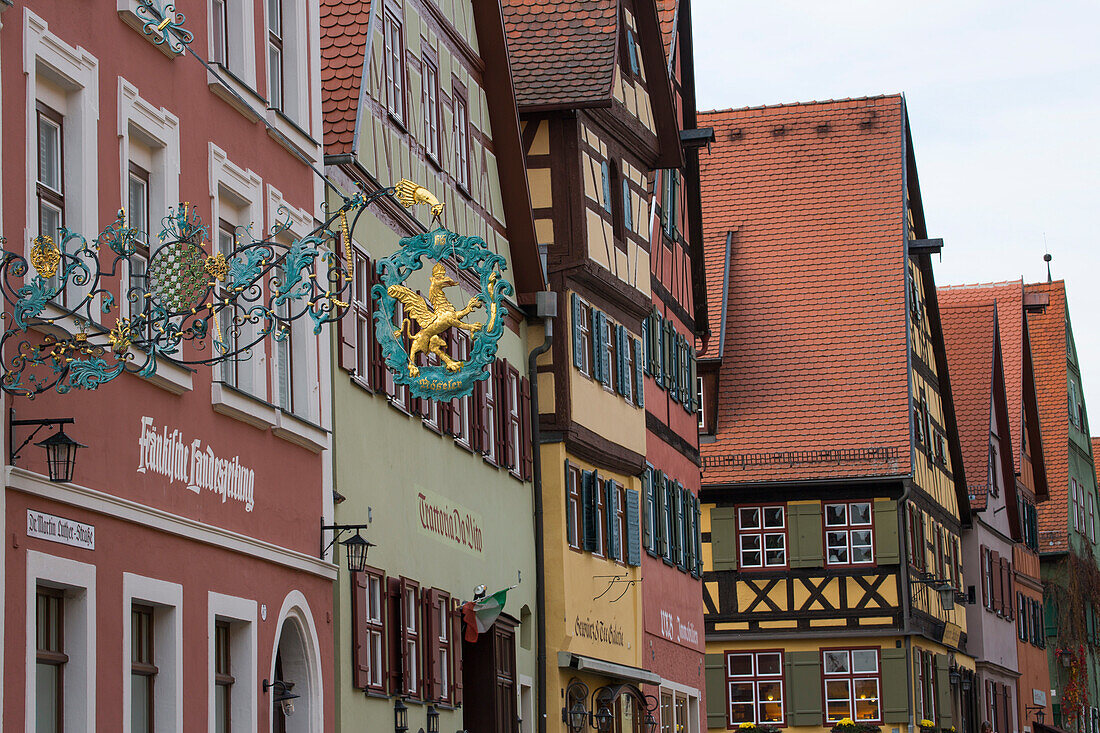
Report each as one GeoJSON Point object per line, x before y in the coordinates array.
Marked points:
{"type": "Point", "coordinates": [817, 102]}
{"type": "Point", "coordinates": [975, 286]}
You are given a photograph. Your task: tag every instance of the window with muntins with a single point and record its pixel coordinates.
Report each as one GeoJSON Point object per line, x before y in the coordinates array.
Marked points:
{"type": "Point", "coordinates": [231, 370]}
{"type": "Point", "coordinates": [223, 678]}
{"type": "Point", "coordinates": [852, 683]}
{"type": "Point", "coordinates": [762, 536]}
{"type": "Point", "coordinates": [137, 217]}
{"type": "Point", "coordinates": [431, 107]}
{"type": "Point", "coordinates": [50, 660]}
{"type": "Point", "coordinates": [50, 185]}
{"type": "Point", "coordinates": [754, 684]}
{"type": "Point", "coordinates": [143, 671]}
{"type": "Point", "coordinates": [394, 53]}
{"type": "Point", "coordinates": [411, 618]}
{"type": "Point", "coordinates": [219, 24]}
{"type": "Point", "coordinates": [275, 55]}
{"type": "Point", "coordinates": [462, 139]}
{"type": "Point", "coordinates": [848, 534]}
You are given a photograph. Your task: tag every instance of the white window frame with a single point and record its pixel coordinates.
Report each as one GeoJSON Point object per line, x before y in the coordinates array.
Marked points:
{"type": "Point", "coordinates": [75, 71]}
{"type": "Point", "coordinates": [230, 181]}
{"type": "Point", "coordinates": [240, 38]}
{"type": "Point", "coordinates": [296, 91]}
{"type": "Point", "coordinates": [158, 129]}
{"type": "Point", "coordinates": [167, 601]}
{"type": "Point", "coordinates": [240, 613]}
{"type": "Point", "coordinates": [305, 376]}
{"type": "Point", "coordinates": [78, 581]}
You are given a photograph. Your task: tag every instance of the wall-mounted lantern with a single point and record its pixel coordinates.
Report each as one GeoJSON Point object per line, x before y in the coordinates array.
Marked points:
{"type": "Point", "coordinates": [355, 547]}
{"type": "Point", "coordinates": [60, 448]}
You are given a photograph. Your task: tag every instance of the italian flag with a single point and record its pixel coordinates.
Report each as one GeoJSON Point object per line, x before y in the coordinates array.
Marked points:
{"type": "Point", "coordinates": [479, 615]}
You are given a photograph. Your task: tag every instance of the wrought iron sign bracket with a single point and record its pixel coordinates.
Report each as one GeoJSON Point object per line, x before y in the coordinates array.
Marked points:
{"type": "Point", "coordinates": [13, 450]}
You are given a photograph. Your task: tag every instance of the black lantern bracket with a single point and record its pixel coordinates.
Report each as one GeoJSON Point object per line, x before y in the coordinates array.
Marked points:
{"type": "Point", "coordinates": [355, 546]}
{"type": "Point", "coordinates": [53, 442]}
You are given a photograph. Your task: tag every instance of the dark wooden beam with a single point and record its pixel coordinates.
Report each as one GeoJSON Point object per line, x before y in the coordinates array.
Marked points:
{"type": "Point", "coordinates": [925, 246]}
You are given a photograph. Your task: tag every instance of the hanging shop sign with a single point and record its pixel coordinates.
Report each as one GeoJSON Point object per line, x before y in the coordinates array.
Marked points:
{"type": "Point", "coordinates": [415, 332]}
{"type": "Point", "coordinates": [58, 529]}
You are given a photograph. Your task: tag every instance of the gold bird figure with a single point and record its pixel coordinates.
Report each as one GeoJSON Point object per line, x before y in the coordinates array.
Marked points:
{"type": "Point", "coordinates": [409, 193]}
{"type": "Point", "coordinates": [434, 321]}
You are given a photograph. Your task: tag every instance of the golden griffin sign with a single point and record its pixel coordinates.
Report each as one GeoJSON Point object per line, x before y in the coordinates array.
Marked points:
{"type": "Point", "coordinates": [412, 330]}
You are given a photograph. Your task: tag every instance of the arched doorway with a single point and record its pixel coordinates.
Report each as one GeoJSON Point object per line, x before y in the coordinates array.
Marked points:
{"type": "Point", "coordinates": [297, 665]}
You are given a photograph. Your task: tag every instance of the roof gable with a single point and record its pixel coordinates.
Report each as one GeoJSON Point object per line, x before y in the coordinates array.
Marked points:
{"type": "Point", "coordinates": [345, 31]}
{"type": "Point", "coordinates": [815, 356]}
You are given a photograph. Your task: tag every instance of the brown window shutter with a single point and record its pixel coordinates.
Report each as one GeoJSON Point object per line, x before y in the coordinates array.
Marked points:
{"type": "Point", "coordinates": [359, 609]}
{"type": "Point", "coordinates": [500, 374]}
{"type": "Point", "coordinates": [456, 652]}
{"type": "Point", "coordinates": [526, 450]}
{"type": "Point", "coordinates": [377, 363]}
{"type": "Point", "coordinates": [998, 601]}
{"type": "Point", "coordinates": [985, 576]}
{"type": "Point", "coordinates": [346, 327]}
{"type": "Point", "coordinates": [395, 636]}
{"type": "Point", "coordinates": [1006, 589]}
{"type": "Point", "coordinates": [479, 418]}
{"type": "Point", "coordinates": [429, 644]}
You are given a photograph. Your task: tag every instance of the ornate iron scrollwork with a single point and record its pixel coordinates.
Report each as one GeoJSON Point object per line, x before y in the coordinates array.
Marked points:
{"type": "Point", "coordinates": [176, 299]}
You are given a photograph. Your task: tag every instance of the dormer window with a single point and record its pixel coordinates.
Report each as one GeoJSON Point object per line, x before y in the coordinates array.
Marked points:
{"type": "Point", "coordinates": [994, 489]}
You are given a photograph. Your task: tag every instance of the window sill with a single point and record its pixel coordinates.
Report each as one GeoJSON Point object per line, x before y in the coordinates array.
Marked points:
{"type": "Point", "coordinates": [299, 432]}
{"type": "Point", "coordinates": [226, 78]}
{"type": "Point", "coordinates": [290, 136]}
{"type": "Point", "coordinates": [170, 48]}
{"type": "Point", "coordinates": [231, 402]}
{"type": "Point", "coordinates": [380, 694]}
{"type": "Point", "coordinates": [395, 119]}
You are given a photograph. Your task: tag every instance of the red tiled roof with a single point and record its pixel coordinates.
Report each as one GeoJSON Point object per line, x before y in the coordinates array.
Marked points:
{"type": "Point", "coordinates": [1096, 447]}
{"type": "Point", "coordinates": [816, 352]}
{"type": "Point", "coordinates": [562, 51]}
{"type": "Point", "coordinates": [666, 13]}
{"type": "Point", "coordinates": [344, 25]}
{"type": "Point", "coordinates": [1048, 348]}
{"type": "Point", "coordinates": [969, 333]}
{"type": "Point", "coordinates": [1009, 297]}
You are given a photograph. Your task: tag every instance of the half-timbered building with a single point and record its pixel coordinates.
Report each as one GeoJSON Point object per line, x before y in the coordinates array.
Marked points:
{"type": "Point", "coordinates": [420, 89]}
{"type": "Point", "coordinates": [833, 489]}
{"type": "Point", "coordinates": [671, 593]}
{"type": "Point", "coordinates": [592, 84]}
{"type": "Point", "coordinates": [1008, 589]}
{"type": "Point", "coordinates": [1068, 529]}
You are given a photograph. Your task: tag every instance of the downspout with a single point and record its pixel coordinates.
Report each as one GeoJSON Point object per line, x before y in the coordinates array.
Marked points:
{"type": "Point", "coordinates": [546, 306]}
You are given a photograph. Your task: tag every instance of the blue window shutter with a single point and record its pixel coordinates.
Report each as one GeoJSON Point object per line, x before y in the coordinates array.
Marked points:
{"type": "Point", "coordinates": [628, 212]}
{"type": "Point", "coordinates": [659, 349]}
{"type": "Point", "coordinates": [577, 342]}
{"type": "Point", "coordinates": [597, 345]}
{"type": "Point", "coordinates": [605, 171]}
{"type": "Point", "coordinates": [611, 502]}
{"type": "Point", "coordinates": [633, 530]}
{"type": "Point", "coordinates": [588, 500]}
{"type": "Point", "coordinates": [639, 379]}
{"type": "Point", "coordinates": [605, 357]}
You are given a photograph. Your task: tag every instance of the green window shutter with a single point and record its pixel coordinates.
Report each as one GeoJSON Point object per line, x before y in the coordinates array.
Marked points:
{"type": "Point", "coordinates": [645, 340]}
{"type": "Point", "coordinates": [578, 344]}
{"type": "Point", "coordinates": [611, 526]}
{"type": "Point", "coordinates": [662, 535]}
{"type": "Point", "coordinates": [646, 524]}
{"type": "Point", "coordinates": [620, 360]}
{"type": "Point", "coordinates": [723, 538]}
{"type": "Point", "coordinates": [804, 690]}
{"type": "Point", "coordinates": [639, 380]}
{"type": "Point", "coordinates": [670, 522]}
{"type": "Point", "coordinates": [943, 692]}
{"type": "Point", "coordinates": [673, 361]}
{"type": "Point", "coordinates": [1050, 616]}
{"type": "Point", "coordinates": [588, 500]}
{"type": "Point", "coordinates": [715, 665]}
{"type": "Point", "coordinates": [895, 686]}
{"type": "Point", "coordinates": [887, 550]}
{"type": "Point", "coordinates": [570, 530]}
{"type": "Point", "coordinates": [653, 346]}
{"type": "Point", "coordinates": [693, 380]}
{"type": "Point", "coordinates": [633, 530]}
{"type": "Point", "coordinates": [682, 525]}
{"type": "Point", "coordinates": [697, 571]}
{"type": "Point", "coordinates": [806, 544]}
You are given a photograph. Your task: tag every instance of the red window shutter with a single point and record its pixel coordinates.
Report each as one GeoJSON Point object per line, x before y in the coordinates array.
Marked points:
{"type": "Point", "coordinates": [377, 364]}
{"type": "Point", "coordinates": [395, 636]}
{"type": "Point", "coordinates": [346, 327]}
{"type": "Point", "coordinates": [525, 429]}
{"type": "Point", "coordinates": [456, 652]}
{"type": "Point", "coordinates": [360, 606]}
{"type": "Point", "coordinates": [985, 576]}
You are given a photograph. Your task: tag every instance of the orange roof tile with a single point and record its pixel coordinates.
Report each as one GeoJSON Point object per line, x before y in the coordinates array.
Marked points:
{"type": "Point", "coordinates": [562, 51]}
{"type": "Point", "coordinates": [666, 13]}
{"type": "Point", "coordinates": [1096, 447]}
{"type": "Point", "coordinates": [969, 334]}
{"type": "Point", "coordinates": [1048, 348]}
{"type": "Point", "coordinates": [344, 33]}
{"type": "Point", "coordinates": [816, 354]}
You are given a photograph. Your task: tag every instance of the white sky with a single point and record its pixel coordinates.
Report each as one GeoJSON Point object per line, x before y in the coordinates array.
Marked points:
{"type": "Point", "coordinates": [1004, 105]}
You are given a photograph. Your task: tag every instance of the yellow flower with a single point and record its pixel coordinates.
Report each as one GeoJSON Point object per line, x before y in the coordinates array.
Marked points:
{"type": "Point", "coordinates": [926, 724]}
{"type": "Point", "coordinates": [743, 726]}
